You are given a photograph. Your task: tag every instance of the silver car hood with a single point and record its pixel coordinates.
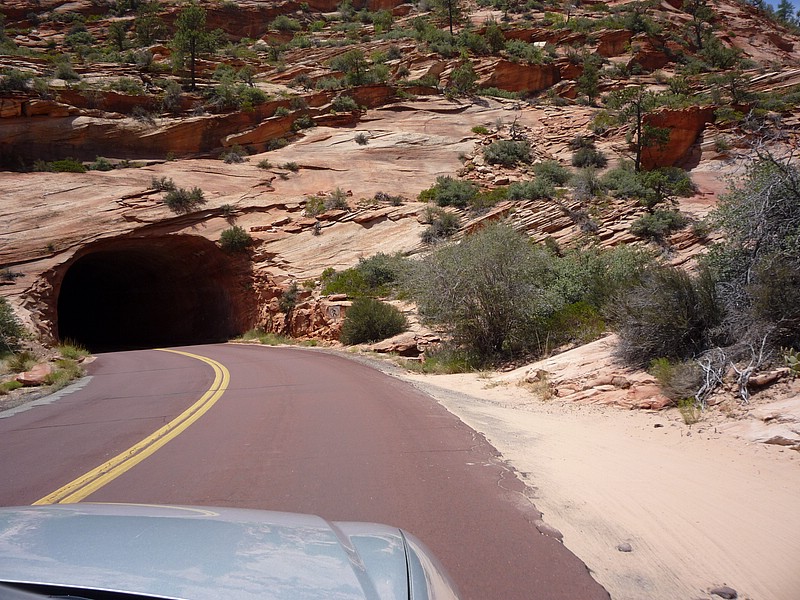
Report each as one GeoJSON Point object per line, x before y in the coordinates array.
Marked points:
{"type": "Point", "coordinates": [198, 553]}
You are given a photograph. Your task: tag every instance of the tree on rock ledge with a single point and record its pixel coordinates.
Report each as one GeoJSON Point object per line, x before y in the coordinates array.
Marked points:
{"type": "Point", "coordinates": [629, 106]}
{"type": "Point", "coordinates": [192, 39]}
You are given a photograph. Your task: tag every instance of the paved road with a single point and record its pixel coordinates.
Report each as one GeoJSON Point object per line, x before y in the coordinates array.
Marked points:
{"type": "Point", "coordinates": [301, 431]}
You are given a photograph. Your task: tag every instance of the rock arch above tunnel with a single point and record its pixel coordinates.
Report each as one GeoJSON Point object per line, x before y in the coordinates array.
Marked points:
{"type": "Point", "coordinates": [153, 291]}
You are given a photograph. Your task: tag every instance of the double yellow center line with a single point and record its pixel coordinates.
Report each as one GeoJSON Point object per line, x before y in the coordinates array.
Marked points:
{"type": "Point", "coordinates": [80, 488]}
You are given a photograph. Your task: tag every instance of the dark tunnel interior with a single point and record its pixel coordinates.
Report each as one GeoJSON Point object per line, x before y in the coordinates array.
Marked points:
{"type": "Point", "coordinates": [143, 293]}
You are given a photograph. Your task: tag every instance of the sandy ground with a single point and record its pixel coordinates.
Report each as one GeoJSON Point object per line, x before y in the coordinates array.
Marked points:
{"type": "Point", "coordinates": [698, 507]}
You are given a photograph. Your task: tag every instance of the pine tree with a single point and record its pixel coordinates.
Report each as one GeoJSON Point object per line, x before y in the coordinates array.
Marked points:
{"type": "Point", "coordinates": [192, 38]}
{"type": "Point", "coordinates": [630, 105]}
{"type": "Point", "coordinates": [785, 11]}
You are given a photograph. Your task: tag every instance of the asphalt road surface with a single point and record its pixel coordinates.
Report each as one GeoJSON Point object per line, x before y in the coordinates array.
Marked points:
{"type": "Point", "coordinates": [292, 430]}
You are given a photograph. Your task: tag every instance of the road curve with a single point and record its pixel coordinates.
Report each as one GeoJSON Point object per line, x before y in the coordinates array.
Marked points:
{"type": "Point", "coordinates": [300, 431]}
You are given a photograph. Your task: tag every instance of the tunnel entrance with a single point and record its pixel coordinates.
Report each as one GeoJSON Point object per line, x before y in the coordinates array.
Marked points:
{"type": "Point", "coordinates": [147, 292]}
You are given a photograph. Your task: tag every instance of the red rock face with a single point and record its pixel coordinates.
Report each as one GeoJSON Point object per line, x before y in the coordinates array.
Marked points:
{"type": "Point", "coordinates": [648, 56]}
{"type": "Point", "coordinates": [108, 101]}
{"type": "Point", "coordinates": [612, 43]}
{"type": "Point", "coordinates": [684, 126]}
{"type": "Point", "coordinates": [518, 77]}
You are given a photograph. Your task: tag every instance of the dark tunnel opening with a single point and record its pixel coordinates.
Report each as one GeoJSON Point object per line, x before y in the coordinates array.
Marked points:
{"type": "Point", "coordinates": [149, 292]}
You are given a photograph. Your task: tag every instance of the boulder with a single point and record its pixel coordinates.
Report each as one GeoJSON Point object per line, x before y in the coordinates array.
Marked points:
{"type": "Point", "coordinates": [36, 376]}
{"type": "Point", "coordinates": [724, 591]}
{"type": "Point", "coordinates": [647, 396]}
{"type": "Point", "coordinates": [402, 345]}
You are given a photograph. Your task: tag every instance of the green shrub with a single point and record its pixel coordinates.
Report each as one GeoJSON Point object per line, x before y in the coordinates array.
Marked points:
{"type": "Point", "coordinates": [65, 71]}
{"type": "Point", "coordinates": [235, 239]}
{"type": "Point", "coordinates": [717, 55]}
{"type": "Point", "coordinates": [649, 187]}
{"type": "Point", "coordinates": [690, 410]}
{"type": "Point", "coordinates": [67, 165]}
{"type": "Point", "coordinates": [330, 83]}
{"type": "Point", "coordinates": [552, 171]}
{"type": "Point", "coordinates": [182, 200]}
{"type": "Point", "coordinates": [658, 224]}
{"type": "Point", "coordinates": [14, 80]}
{"type": "Point", "coordinates": [579, 141]}
{"type": "Point", "coordinates": [66, 371]}
{"type": "Point", "coordinates": [586, 184]}
{"type": "Point", "coordinates": [314, 205]}
{"type": "Point", "coordinates": [579, 323]}
{"type": "Point", "coordinates": [507, 153]}
{"type": "Point", "coordinates": [318, 204]}
{"type": "Point", "coordinates": [250, 96]}
{"type": "Point", "coordinates": [288, 299]}
{"type": "Point", "coordinates": [462, 79]}
{"type": "Point", "coordinates": [486, 291]}
{"type": "Point", "coordinates": [126, 85]}
{"type": "Point", "coordinates": [450, 192]}
{"type": "Point", "coordinates": [337, 200]}
{"type": "Point", "coordinates": [9, 386]}
{"type": "Point", "coordinates": [21, 361]}
{"type": "Point", "coordinates": [602, 122]}
{"type": "Point", "coordinates": [350, 281]}
{"type": "Point", "coordinates": [488, 198]}
{"type": "Point", "coordinates": [78, 36]}
{"type": "Point", "coordinates": [520, 50]}
{"type": "Point", "coordinates": [444, 360]}
{"type": "Point", "coordinates": [442, 225]}
{"type": "Point", "coordinates": [669, 315]}
{"type": "Point", "coordinates": [264, 163]}
{"type": "Point", "coordinates": [235, 155]}
{"type": "Point", "coordinates": [267, 339]}
{"type": "Point", "coordinates": [72, 351]}
{"type": "Point", "coordinates": [285, 24]}
{"type": "Point", "coordinates": [162, 184]}
{"type": "Point", "coordinates": [381, 270]}
{"type": "Point", "coordinates": [11, 330]}
{"type": "Point", "coordinates": [370, 320]}
{"type": "Point", "coordinates": [373, 276]}
{"type": "Point", "coordinates": [344, 103]}
{"type": "Point", "coordinates": [533, 189]}
{"type": "Point", "coordinates": [229, 95]}
{"type": "Point", "coordinates": [596, 276]}
{"type": "Point", "coordinates": [791, 359]}
{"type": "Point", "coordinates": [303, 122]}
{"type": "Point", "coordinates": [679, 380]}
{"type": "Point", "coordinates": [101, 164]}
{"type": "Point", "coordinates": [493, 92]}
{"type": "Point", "coordinates": [480, 130]}
{"type": "Point", "coordinates": [589, 157]}
{"type": "Point", "coordinates": [291, 166]}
